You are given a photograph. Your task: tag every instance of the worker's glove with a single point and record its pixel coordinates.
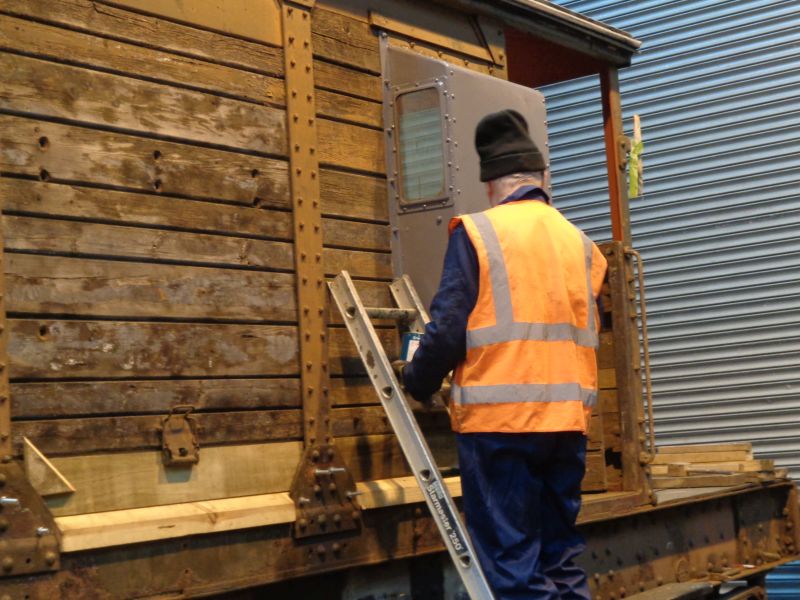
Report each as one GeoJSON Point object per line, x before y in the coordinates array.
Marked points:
{"type": "Point", "coordinates": [397, 367]}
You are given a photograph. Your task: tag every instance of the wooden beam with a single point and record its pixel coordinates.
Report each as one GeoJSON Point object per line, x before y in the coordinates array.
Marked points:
{"type": "Point", "coordinates": [116, 528]}
{"type": "Point", "coordinates": [616, 155]}
{"type": "Point", "coordinates": [45, 478]}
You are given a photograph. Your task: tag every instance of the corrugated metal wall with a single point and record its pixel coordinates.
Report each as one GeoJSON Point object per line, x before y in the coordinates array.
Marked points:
{"type": "Point", "coordinates": [717, 86]}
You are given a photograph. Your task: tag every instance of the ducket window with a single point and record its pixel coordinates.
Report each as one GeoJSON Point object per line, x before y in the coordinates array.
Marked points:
{"type": "Point", "coordinates": [420, 151]}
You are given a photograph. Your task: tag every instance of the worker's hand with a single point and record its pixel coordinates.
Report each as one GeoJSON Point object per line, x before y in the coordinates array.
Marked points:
{"type": "Point", "coordinates": [397, 367]}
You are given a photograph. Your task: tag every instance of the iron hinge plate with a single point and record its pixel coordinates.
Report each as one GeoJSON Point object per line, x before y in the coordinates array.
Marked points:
{"type": "Point", "coordinates": [179, 444]}
{"type": "Point", "coordinates": [324, 494]}
{"type": "Point", "coordinates": [29, 538]}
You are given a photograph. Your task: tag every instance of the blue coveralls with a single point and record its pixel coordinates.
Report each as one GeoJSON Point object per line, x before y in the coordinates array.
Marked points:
{"type": "Point", "coordinates": [521, 491]}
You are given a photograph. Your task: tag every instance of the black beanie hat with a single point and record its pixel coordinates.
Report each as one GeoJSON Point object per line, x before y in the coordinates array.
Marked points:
{"type": "Point", "coordinates": [504, 146]}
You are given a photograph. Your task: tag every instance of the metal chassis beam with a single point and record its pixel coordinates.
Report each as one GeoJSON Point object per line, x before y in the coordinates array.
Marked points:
{"type": "Point", "coordinates": [634, 548]}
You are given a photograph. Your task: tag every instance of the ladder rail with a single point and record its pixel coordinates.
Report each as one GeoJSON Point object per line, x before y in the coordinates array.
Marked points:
{"type": "Point", "coordinates": [410, 437]}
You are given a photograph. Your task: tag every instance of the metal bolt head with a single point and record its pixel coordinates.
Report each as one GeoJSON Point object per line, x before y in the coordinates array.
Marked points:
{"type": "Point", "coordinates": [2, 479]}
{"type": "Point", "coordinates": [302, 523]}
{"type": "Point", "coordinates": [332, 487]}
{"type": "Point", "coordinates": [50, 557]}
{"type": "Point", "coordinates": [321, 519]}
{"type": "Point", "coordinates": [337, 519]}
{"type": "Point", "coordinates": [7, 564]}
{"type": "Point", "coordinates": [315, 455]}
{"type": "Point", "coordinates": [336, 547]}
{"type": "Point", "coordinates": [320, 549]}
{"type": "Point", "coordinates": [3, 524]}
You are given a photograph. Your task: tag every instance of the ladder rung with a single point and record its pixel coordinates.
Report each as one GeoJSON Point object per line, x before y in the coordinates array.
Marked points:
{"type": "Point", "coordinates": [406, 314]}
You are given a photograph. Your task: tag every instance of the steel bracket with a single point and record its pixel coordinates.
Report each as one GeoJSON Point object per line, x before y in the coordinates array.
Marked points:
{"type": "Point", "coordinates": [179, 444]}
{"type": "Point", "coordinates": [324, 495]}
{"type": "Point", "coordinates": [29, 538]}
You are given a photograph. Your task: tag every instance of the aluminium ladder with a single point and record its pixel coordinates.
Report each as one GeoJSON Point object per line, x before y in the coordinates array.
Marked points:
{"type": "Point", "coordinates": [411, 311]}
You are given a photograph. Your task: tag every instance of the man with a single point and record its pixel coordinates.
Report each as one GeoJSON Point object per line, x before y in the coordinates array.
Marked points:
{"type": "Point", "coordinates": [515, 315]}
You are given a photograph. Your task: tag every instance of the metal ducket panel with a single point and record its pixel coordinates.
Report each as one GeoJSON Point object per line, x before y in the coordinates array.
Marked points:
{"type": "Point", "coordinates": [717, 86]}
{"type": "Point", "coordinates": [434, 144]}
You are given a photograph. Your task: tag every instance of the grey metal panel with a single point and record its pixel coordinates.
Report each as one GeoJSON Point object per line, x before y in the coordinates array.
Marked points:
{"type": "Point", "coordinates": [717, 85]}
{"type": "Point", "coordinates": [420, 231]}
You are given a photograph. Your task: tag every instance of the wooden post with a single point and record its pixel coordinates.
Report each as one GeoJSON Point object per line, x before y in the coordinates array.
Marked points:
{"type": "Point", "coordinates": [304, 169]}
{"type": "Point", "coordinates": [5, 392]}
{"type": "Point", "coordinates": [617, 146]}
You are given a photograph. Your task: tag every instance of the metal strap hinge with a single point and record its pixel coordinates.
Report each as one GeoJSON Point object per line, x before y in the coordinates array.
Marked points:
{"type": "Point", "coordinates": [179, 444]}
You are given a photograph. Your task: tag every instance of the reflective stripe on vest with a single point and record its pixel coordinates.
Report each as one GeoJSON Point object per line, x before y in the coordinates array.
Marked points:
{"type": "Point", "coordinates": [505, 328]}
{"type": "Point", "coordinates": [524, 392]}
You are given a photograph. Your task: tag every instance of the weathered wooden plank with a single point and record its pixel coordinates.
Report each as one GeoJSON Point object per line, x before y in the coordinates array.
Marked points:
{"type": "Point", "coordinates": [48, 285]}
{"type": "Point", "coordinates": [595, 478]}
{"type": "Point", "coordinates": [99, 288]}
{"type": "Point", "coordinates": [90, 239]}
{"type": "Point", "coordinates": [56, 200]}
{"type": "Point", "coordinates": [259, 21]}
{"type": "Point", "coordinates": [57, 43]}
{"type": "Point", "coordinates": [103, 434]}
{"type": "Point", "coordinates": [119, 24]}
{"type": "Point", "coordinates": [77, 202]}
{"type": "Point", "coordinates": [43, 88]}
{"type": "Point", "coordinates": [341, 39]}
{"type": "Point", "coordinates": [354, 196]}
{"type": "Point", "coordinates": [348, 108]}
{"type": "Point", "coordinates": [337, 78]}
{"type": "Point", "coordinates": [140, 432]}
{"type": "Point", "coordinates": [74, 349]}
{"type": "Point", "coordinates": [136, 479]}
{"type": "Point", "coordinates": [47, 349]}
{"type": "Point", "coordinates": [54, 151]}
{"type": "Point", "coordinates": [351, 146]}
{"type": "Point", "coordinates": [38, 400]}
{"type": "Point", "coordinates": [30, 234]}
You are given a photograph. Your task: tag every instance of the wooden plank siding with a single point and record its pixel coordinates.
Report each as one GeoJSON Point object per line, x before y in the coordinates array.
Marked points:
{"type": "Point", "coordinates": [149, 236]}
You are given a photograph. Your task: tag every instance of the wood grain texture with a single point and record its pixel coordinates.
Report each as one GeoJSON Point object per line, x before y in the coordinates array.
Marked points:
{"type": "Point", "coordinates": [83, 203]}
{"type": "Point", "coordinates": [54, 151]}
{"type": "Point", "coordinates": [57, 43]}
{"type": "Point", "coordinates": [85, 50]}
{"type": "Point", "coordinates": [100, 288]}
{"type": "Point", "coordinates": [124, 480]}
{"type": "Point", "coordinates": [73, 238]}
{"type": "Point", "coordinates": [125, 433]}
{"type": "Point", "coordinates": [259, 21]}
{"type": "Point", "coordinates": [44, 88]}
{"type": "Point", "coordinates": [125, 25]}
{"type": "Point", "coordinates": [51, 400]}
{"type": "Point", "coordinates": [351, 146]}
{"type": "Point", "coordinates": [341, 39]}
{"type": "Point", "coordinates": [51, 348]}
{"type": "Point", "coordinates": [338, 78]}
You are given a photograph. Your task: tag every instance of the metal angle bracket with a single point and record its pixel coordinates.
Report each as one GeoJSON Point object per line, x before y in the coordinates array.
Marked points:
{"type": "Point", "coordinates": [29, 538]}
{"type": "Point", "coordinates": [324, 495]}
{"type": "Point", "coordinates": [179, 443]}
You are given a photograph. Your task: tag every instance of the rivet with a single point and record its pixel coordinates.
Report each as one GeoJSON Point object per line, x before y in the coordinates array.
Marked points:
{"type": "Point", "coordinates": [320, 548]}
{"type": "Point", "coordinates": [322, 336]}
{"type": "Point", "coordinates": [332, 489]}
{"type": "Point", "coordinates": [8, 563]}
{"type": "Point", "coordinates": [50, 557]}
{"type": "Point", "coordinates": [303, 523]}
{"type": "Point", "coordinates": [296, 118]}
{"type": "Point", "coordinates": [292, 63]}
{"type": "Point", "coordinates": [321, 519]}
{"type": "Point", "coordinates": [315, 453]}
{"type": "Point", "coordinates": [319, 257]}
{"type": "Point", "coordinates": [308, 68]}
{"type": "Point", "coordinates": [309, 365]}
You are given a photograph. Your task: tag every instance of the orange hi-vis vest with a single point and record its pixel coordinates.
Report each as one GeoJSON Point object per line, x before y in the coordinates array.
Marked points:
{"type": "Point", "coordinates": [533, 334]}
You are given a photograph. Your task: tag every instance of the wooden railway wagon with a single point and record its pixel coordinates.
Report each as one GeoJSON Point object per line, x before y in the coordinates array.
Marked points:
{"type": "Point", "coordinates": [179, 178]}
